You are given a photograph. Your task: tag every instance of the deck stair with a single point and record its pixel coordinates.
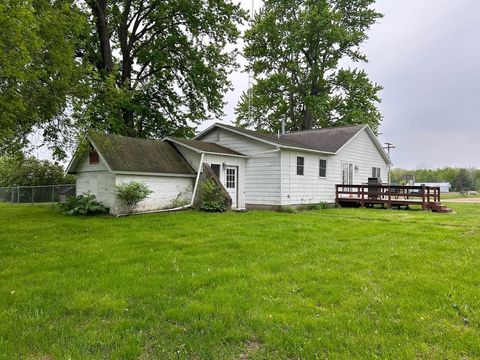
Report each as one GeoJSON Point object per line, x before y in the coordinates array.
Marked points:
{"type": "Point", "coordinates": [438, 207]}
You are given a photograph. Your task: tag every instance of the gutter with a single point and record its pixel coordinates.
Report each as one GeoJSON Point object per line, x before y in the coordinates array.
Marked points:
{"type": "Point", "coordinates": [197, 180]}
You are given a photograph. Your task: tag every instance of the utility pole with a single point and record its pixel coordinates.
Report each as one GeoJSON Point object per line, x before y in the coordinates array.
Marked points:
{"type": "Point", "coordinates": [250, 78]}
{"type": "Point", "coordinates": [389, 146]}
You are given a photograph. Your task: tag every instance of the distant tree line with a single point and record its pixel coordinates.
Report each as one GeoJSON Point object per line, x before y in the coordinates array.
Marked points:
{"type": "Point", "coordinates": [461, 179]}
{"type": "Point", "coordinates": [30, 171]}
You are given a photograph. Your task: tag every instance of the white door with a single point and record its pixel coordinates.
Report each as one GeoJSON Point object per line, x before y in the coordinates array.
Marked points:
{"type": "Point", "coordinates": [231, 183]}
{"type": "Point", "coordinates": [347, 174]}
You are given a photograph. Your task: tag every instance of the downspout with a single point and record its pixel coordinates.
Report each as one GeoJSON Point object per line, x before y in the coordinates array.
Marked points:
{"type": "Point", "coordinates": [197, 180]}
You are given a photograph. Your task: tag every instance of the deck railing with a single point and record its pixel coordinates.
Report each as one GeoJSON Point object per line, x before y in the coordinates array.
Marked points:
{"type": "Point", "coordinates": [390, 195]}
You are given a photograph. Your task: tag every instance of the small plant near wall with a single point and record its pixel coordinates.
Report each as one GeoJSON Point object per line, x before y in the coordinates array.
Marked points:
{"type": "Point", "coordinates": [131, 194]}
{"type": "Point", "coordinates": [83, 205]}
{"type": "Point", "coordinates": [213, 198]}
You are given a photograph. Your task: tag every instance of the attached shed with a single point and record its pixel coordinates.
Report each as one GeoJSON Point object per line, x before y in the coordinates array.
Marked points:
{"type": "Point", "coordinates": [104, 161]}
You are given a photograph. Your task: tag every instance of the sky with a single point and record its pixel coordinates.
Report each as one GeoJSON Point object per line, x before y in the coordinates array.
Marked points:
{"type": "Point", "coordinates": [426, 55]}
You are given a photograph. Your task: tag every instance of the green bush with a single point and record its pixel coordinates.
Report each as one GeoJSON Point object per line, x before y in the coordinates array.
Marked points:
{"type": "Point", "coordinates": [131, 194]}
{"type": "Point", "coordinates": [213, 198]}
{"type": "Point", "coordinates": [317, 206]}
{"type": "Point", "coordinates": [83, 205]}
{"type": "Point", "coordinates": [288, 209]}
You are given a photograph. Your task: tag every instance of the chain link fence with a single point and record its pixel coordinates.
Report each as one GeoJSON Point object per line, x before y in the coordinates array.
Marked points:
{"type": "Point", "coordinates": [36, 194]}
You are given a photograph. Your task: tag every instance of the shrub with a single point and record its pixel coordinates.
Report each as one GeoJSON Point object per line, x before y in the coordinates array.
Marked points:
{"type": "Point", "coordinates": [83, 205]}
{"type": "Point", "coordinates": [213, 198]}
{"type": "Point", "coordinates": [288, 209]}
{"type": "Point", "coordinates": [131, 194]}
{"type": "Point", "coordinates": [317, 206]}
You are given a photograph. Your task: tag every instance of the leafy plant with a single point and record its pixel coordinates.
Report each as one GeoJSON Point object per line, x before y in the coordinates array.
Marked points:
{"type": "Point", "coordinates": [316, 206]}
{"type": "Point", "coordinates": [131, 194]}
{"type": "Point", "coordinates": [288, 209]}
{"type": "Point", "coordinates": [83, 205]}
{"type": "Point", "coordinates": [213, 198]}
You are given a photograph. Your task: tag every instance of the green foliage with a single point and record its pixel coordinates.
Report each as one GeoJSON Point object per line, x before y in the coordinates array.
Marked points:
{"type": "Point", "coordinates": [131, 194]}
{"type": "Point", "coordinates": [83, 205]}
{"type": "Point", "coordinates": [40, 68]}
{"type": "Point", "coordinates": [212, 199]}
{"type": "Point", "coordinates": [288, 209]}
{"type": "Point", "coordinates": [140, 68]}
{"type": "Point", "coordinates": [460, 179]}
{"type": "Point", "coordinates": [317, 206]}
{"type": "Point", "coordinates": [31, 171]}
{"type": "Point", "coordinates": [295, 49]}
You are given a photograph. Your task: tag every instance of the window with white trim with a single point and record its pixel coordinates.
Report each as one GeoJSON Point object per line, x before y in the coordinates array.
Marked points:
{"type": "Point", "coordinates": [322, 168]}
{"type": "Point", "coordinates": [300, 165]}
{"type": "Point", "coordinates": [376, 172]}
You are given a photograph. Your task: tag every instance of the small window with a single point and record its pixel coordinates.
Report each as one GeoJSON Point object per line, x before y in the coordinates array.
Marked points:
{"type": "Point", "coordinates": [216, 169]}
{"type": "Point", "coordinates": [323, 168]}
{"type": "Point", "coordinates": [94, 158]}
{"type": "Point", "coordinates": [376, 172]}
{"type": "Point", "coordinates": [300, 165]}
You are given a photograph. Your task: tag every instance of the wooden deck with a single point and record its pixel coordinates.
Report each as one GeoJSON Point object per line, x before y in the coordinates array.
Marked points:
{"type": "Point", "coordinates": [390, 196]}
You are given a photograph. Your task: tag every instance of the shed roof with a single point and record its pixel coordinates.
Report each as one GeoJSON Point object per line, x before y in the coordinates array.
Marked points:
{"type": "Point", "coordinates": [203, 146]}
{"type": "Point", "coordinates": [127, 154]}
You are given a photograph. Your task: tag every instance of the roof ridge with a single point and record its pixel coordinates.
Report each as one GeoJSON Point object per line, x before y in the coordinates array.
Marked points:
{"type": "Point", "coordinates": [327, 128]}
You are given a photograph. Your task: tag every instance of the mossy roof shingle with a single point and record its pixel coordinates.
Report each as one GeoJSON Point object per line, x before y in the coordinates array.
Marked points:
{"type": "Point", "coordinates": [139, 155]}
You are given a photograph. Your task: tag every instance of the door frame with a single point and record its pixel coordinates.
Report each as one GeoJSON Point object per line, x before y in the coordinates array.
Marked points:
{"type": "Point", "coordinates": [351, 172]}
{"type": "Point", "coordinates": [236, 183]}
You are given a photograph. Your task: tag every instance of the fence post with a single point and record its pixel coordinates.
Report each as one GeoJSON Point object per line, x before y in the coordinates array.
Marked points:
{"type": "Point", "coordinates": [32, 195]}
{"type": "Point", "coordinates": [12, 195]}
{"type": "Point", "coordinates": [18, 194]}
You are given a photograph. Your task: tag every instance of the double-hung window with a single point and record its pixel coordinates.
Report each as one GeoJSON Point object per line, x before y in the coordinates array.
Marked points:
{"type": "Point", "coordinates": [300, 165]}
{"type": "Point", "coordinates": [323, 168]}
{"type": "Point", "coordinates": [376, 172]}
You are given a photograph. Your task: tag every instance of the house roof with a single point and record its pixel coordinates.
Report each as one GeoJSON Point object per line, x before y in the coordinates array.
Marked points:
{"type": "Point", "coordinates": [326, 140]}
{"type": "Point", "coordinates": [205, 147]}
{"type": "Point", "coordinates": [126, 154]}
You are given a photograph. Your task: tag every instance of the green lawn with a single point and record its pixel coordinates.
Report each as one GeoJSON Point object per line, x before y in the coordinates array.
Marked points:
{"type": "Point", "coordinates": [337, 283]}
{"type": "Point", "coordinates": [457, 195]}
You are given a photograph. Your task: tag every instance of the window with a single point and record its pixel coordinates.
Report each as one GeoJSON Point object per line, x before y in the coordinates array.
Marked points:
{"type": "Point", "coordinates": [376, 172]}
{"type": "Point", "coordinates": [231, 181]}
{"type": "Point", "coordinates": [300, 165]}
{"type": "Point", "coordinates": [216, 169]}
{"type": "Point", "coordinates": [94, 158]}
{"type": "Point", "coordinates": [323, 168]}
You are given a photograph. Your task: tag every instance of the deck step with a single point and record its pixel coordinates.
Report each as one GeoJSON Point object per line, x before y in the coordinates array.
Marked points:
{"type": "Point", "coordinates": [438, 207]}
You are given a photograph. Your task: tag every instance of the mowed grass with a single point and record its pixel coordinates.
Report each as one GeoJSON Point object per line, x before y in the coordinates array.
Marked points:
{"type": "Point", "coordinates": [336, 283]}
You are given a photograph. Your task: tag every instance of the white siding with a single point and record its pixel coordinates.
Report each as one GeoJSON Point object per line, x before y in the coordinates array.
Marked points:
{"type": "Point", "coordinates": [230, 161]}
{"type": "Point", "coordinates": [363, 153]}
{"type": "Point", "coordinates": [99, 183]}
{"type": "Point", "coordinates": [310, 188]}
{"type": "Point", "coordinates": [262, 171]}
{"type": "Point", "coordinates": [168, 191]}
{"type": "Point", "coordinates": [84, 165]}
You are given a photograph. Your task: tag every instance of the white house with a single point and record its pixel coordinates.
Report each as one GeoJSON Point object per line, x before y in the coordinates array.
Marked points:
{"type": "Point", "coordinates": [257, 170]}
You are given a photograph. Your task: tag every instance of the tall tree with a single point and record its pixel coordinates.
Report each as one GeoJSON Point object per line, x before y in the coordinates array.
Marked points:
{"type": "Point", "coordinates": [162, 66]}
{"type": "Point", "coordinates": [145, 68]}
{"type": "Point", "coordinates": [39, 72]}
{"type": "Point", "coordinates": [296, 49]}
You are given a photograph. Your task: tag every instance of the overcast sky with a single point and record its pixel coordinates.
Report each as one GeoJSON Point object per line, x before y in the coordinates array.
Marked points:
{"type": "Point", "coordinates": [426, 54]}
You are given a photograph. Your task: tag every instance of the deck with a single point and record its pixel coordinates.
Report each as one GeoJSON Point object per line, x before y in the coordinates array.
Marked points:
{"type": "Point", "coordinates": [427, 197]}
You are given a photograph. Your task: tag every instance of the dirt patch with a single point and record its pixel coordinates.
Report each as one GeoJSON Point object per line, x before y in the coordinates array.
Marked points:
{"type": "Point", "coordinates": [463, 200]}
{"type": "Point", "coordinates": [251, 347]}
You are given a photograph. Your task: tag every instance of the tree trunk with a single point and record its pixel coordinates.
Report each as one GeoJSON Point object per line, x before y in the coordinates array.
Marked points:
{"type": "Point", "coordinates": [99, 8]}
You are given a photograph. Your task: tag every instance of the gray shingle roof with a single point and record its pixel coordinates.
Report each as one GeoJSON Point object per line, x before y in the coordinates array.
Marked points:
{"type": "Point", "coordinates": [139, 155]}
{"type": "Point", "coordinates": [326, 140]}
{"type": "Point", "coordinates": [206, 146]}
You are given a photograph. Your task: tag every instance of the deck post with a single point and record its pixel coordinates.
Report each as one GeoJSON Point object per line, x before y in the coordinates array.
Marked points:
{"type": "Point", "coordinates": [363, 197]}
{"type": "Point", "coordinates": [438, 189]}
{"type": "Point", "coordinates": [389, 197]}
{"type": "Point", "coordinates": [336, 193]}
{"type": "Point", "coordinates": [423, 198]}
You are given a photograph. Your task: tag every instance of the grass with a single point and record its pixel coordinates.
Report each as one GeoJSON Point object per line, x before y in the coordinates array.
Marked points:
{"type": "Point", "coordinates": [457, 195]}
{"type": "Point", "coordinates": [334, 283]}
